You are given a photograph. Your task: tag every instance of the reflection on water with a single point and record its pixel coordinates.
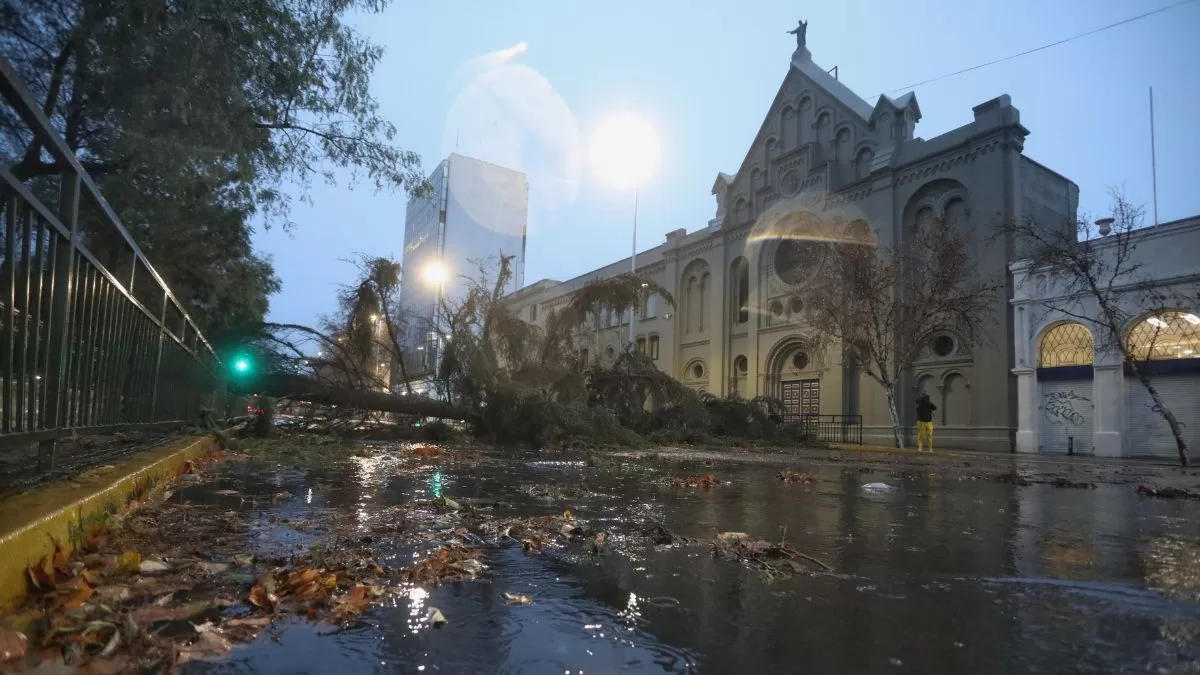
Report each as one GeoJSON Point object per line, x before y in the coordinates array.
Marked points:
{"type": "Point", "coordinates": [934, 575]}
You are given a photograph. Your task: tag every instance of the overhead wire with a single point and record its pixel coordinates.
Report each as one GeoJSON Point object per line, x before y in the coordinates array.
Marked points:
{"type": "Point", "coordinates": [1045, 46]}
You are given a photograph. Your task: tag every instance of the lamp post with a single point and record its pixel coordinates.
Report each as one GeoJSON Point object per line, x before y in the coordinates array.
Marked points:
{"type": "Point", "coordinates": [625, 152]}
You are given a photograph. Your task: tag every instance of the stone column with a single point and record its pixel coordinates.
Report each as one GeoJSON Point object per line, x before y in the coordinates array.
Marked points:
{"type": "Point", "coordinates": [717, 321]}
{"type": "Point", "coordinates": [754, 383]}
{"type": "Point", "coordinates": [1027, 398]}
{"type": "Point", "coordinates": [1108, 396]}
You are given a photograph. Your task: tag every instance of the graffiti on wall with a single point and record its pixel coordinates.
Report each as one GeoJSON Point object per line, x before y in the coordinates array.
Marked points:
{"type": "Point", "coordinates": [1063, 407]}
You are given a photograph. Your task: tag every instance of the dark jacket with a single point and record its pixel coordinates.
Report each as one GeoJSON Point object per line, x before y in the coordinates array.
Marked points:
{"type": "Point", "coordinates": [925, 408]}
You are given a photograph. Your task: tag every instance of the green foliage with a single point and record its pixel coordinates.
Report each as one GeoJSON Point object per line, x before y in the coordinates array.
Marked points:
{"type": "Point", "coordinates": [192, 116]}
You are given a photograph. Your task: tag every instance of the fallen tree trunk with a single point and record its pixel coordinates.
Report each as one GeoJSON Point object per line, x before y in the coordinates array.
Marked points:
{"type": "Point", "coordinates": [302, 388]}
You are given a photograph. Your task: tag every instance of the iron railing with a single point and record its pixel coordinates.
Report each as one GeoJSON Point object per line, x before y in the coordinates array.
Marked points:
{"type": "Point", "coordinates": [828, 428]}
{"type": "Point", "coordinates": [91, 338]}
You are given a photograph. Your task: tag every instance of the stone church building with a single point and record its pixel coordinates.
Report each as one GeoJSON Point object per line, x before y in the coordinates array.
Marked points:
{"type": "Point", "coordinates": [825, 165]}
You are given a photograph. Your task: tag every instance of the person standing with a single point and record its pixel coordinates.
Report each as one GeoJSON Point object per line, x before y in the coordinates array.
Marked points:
{"type": "Point", "coordinates": [925, 408]}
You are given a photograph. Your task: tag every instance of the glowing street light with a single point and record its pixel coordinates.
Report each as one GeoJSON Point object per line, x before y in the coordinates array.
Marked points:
{"type": "Point", "coordinates": [435, 273]}
{"type": "Point", "coordinates": [625, 153]}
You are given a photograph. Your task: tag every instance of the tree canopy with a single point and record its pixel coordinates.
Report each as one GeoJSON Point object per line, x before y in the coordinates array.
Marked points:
{"type": "Point", "coordinates": [194, 115]}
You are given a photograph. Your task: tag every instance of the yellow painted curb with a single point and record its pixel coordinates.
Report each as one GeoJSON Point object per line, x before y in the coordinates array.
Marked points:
{"type": "Point", "coordinates": [29, 520]}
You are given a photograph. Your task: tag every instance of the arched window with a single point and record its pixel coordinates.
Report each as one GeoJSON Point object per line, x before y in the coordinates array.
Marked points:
{"type": "Point", "coordinates": [862, 167]}
{"type": "Point", "coordinates": [1067, 344]}
{"type": "Point", "coordinates": [700, 307]}
{"type": "Point", "coordinates": [691, 304]}
{"type": "Point", "coordinates": [741, 290]}
{"type": "Point", "coordinates": [654, 347]}
{"type": "Point", "coordinates": [956, 401]}
{"type": "Point", "coordinates": [1165, 336]}
{"type": "Point", "coordinates": [841, 146]}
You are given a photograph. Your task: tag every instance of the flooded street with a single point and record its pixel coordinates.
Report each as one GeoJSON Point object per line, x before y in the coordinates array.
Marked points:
{"type": "Point", "coordinates": [934, 573]}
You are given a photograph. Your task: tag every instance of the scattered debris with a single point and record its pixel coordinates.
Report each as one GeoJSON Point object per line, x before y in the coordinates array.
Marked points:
{"type": "Point", "coordinates": [1167, 492]}
{"type": "Point", "coordinates": [436, 617]}
{"type": "Point", "coordinates": [518, 599]}
{"type": "Point", "coordinates": [661, 536]}
{"type": "Point", "coordinates": [426, 451]}
{"type": "Point", "coordinates": [12, 645]}
{"type": "Point", "coordinates": [773, 560]}
{"type": "Point", "coordinates": [451, 563]}
{"type": "Point", "coordinates": [1014, 478]}
{"type": "Point", "coordinates": [789, 476]}
{"type": "Point", "coordinates": [1060, 482]}
{"type": "Point", "coordinates": [876, 487]}
{"type": "Point", "coordinates": [705, 481]}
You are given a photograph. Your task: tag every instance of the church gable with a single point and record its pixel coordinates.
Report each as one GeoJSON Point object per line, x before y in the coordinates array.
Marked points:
{"type": "Point", "coordinates": [812, 138]}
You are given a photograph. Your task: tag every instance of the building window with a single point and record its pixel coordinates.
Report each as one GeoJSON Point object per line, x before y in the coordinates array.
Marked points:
{"type": "Point", "coordinates": [641, 345]}
{"type": "Point", "coordinates": [1067, 344]}
{"type": "Point", "coordinates": [654, 347]}
{"type": "Point", "coordinates": [741, 365]}
{"type": "Point", "coordinates": [533, 313]}
{"type": "Point", "coordinates": [1166, 336]}
{"type": "Point", "coordinates": [650, 306]}
{"type": "Point", "coordinates": [583, 358]}
{"type": "Point", "coordinates": [942, 345]}
{"type": "Point", "coordinates": [796, 305]}
{"type": "Point", "coordinates": [741, 290]}
{"type": "Point", "coordinates": [800, 361]}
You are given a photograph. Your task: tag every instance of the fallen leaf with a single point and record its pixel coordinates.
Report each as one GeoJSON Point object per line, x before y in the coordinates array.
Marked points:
{"type": "Point", "coordinates": [153, 567]}
{"type": "Point", "coordinates": [93, 538]}
{"type": "Point", "coordinates": [112, 594]}
{"type": "Point", "coordinates": [253, 621]}
{"type": "Point", "coordinates": [38, 578]}
{"type": "Point", "coordinates": [12, 645]}
{"type": "Point", "coordinates": [211, 568]}
{"type": "Point", "coordinates": [243, 559]}
{"type": "Point", "coordinates": [210, 645]}
{"type": "Point", "coordinates": [518, 599]}
{"type": "Point", "coordinates": [259, 597]}
{"type": "Point", "coordinates": [130, 561]}
{"type": "Point", "coordinates": [78, 592]}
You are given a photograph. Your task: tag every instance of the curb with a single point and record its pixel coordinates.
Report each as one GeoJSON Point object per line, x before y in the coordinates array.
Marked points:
{"type": "Point", "coordinates": [29, 520]}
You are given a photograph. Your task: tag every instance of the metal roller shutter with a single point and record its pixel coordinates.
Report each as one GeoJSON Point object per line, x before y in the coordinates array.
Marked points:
{"type": "Point", "coordinates": [1147, 434]}
{"type": "Point", "coordinates": [1066, 412]}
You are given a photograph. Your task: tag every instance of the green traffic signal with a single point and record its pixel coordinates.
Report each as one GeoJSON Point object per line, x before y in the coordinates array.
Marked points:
{"type": "Point", "coordinates": [241, 365]}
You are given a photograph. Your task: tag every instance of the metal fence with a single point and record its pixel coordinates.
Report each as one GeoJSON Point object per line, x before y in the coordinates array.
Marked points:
{"type": "Point", "coordinates": [829, 428]}
{"type": "Point", "coordinates": [91, 341]}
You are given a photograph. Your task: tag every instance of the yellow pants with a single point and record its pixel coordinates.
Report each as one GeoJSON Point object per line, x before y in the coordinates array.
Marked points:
{"type": "Point", "coordinates": [924, 435]}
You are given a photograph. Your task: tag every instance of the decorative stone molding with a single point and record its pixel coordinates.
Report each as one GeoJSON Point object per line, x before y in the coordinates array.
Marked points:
{"type": "Point", "coordinates": [938, 165]}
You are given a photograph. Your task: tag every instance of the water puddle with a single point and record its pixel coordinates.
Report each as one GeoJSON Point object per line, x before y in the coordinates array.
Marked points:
{"type": "Point", "coordinates": [933, 574]}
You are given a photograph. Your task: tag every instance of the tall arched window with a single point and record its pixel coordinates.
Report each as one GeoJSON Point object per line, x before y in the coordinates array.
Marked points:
{"type": "Point", "coordinates": [1165, 336]}
{"type": "Point", "coordinates": [691, 304]}
{"type": "Point", "coordinates": [704, 282]}
{"type": "Point", "coordinates": [740, 290]}
{"type": "Point", "coordinates": [1067, 344]}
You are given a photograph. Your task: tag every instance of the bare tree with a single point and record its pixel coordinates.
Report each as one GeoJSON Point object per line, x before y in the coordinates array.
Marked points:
{"type": "Point", "coordinates": [883, 306]}
{"type": "Point", "coordinates": [1100, 282]}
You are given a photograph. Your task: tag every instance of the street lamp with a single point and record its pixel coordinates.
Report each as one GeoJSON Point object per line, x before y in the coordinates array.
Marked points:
{"type": "Point", "coordinates": [625, 153]}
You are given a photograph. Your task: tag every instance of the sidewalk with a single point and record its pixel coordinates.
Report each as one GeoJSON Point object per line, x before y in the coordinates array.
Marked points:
{"type": "Point", "coordinates": [1065, 460]}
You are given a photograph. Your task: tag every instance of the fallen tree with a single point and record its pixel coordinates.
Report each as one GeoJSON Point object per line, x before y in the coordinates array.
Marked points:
{"type": "Point", "coordinates": [303, 388]}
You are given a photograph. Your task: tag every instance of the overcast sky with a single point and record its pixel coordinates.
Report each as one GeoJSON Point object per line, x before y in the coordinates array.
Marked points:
{"type": "Point", "coordinates": [523, 83]}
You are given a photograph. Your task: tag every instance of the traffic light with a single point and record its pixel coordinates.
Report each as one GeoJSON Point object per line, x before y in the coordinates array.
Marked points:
{"type": "Point", "coordinates": [241, 365]}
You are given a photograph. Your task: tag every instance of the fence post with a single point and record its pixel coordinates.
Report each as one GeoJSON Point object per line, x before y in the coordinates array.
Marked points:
{"type": "Point", "coordinates": [62, 290]}
{"type": "Point", "coordinates": [162, 329]}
